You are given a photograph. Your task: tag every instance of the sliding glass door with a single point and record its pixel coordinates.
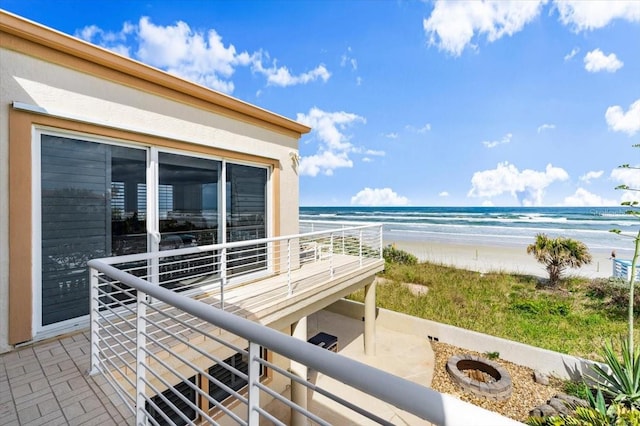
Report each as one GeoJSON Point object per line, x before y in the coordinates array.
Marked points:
{"type": "Point", "coordinates": [100, 199]}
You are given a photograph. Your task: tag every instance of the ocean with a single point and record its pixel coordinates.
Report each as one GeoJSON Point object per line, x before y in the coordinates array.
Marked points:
{"type": "Point", "coordinates": [493, 226]}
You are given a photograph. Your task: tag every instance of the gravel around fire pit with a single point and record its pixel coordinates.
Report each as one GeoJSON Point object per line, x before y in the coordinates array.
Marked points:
{"type": "Point", "coordinates": [527, 394]}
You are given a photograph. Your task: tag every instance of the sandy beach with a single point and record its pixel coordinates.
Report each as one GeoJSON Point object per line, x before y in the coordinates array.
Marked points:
{"type": "Point", "coordinates": [496, 258]}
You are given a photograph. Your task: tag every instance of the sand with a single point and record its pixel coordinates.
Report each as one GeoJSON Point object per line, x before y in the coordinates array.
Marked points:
{"type": "Point", "coordinates": [497, 258]}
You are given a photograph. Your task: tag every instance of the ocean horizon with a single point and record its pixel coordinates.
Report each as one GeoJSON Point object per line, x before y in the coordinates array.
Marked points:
{"type": "Point", "coordinates": [492, 226]}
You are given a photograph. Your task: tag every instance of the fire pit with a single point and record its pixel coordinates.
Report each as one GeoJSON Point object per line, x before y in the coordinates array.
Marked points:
{"type": "Point", "coordinates": [480, 376]}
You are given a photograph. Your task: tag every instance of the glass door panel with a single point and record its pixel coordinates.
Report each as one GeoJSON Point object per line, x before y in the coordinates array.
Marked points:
{"type": "Point", "coordinates": [246, 200]}
{"type": "Point", "coordinates": [187, 215]}
{"type": "Point", "coordinates": [87, 211]}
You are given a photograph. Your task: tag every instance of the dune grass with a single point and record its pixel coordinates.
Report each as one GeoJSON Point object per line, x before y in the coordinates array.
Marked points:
{"type": "Point", "coordinates": [574, 318]}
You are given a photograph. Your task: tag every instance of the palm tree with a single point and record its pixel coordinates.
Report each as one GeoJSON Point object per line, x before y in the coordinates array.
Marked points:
{"type": "Point", "coordinates": [557, 254]}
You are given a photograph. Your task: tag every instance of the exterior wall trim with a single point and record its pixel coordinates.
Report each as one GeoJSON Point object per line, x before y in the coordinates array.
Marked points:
{"type": "Point", "coordinates": [36, 40]}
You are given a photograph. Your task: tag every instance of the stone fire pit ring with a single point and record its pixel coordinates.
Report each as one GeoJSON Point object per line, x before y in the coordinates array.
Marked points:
{"type": "Point", "coordinates": [499, 387]}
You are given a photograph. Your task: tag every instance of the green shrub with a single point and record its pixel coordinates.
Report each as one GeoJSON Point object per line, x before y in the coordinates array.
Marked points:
{"type": "Point", "coordinates": [577, 389]}
{"type": "Point", "coordinates": [538, 306]}
{"type": "Point", "coordinates": [622, 382]}
{"type": "Point", "coordinates": [393, 255]}
{"type": "Point", "coordinates": [616, 414]}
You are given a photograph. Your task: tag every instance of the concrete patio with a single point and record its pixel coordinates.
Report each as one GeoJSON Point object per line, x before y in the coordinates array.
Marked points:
{"type": "Point", "coordinates": [47, 383]}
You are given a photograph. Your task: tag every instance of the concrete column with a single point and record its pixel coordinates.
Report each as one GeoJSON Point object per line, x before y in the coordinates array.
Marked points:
{"type": "Point", "coordinates": [298, 391]}
{"type": "Point", "coordinates": [370, 319]}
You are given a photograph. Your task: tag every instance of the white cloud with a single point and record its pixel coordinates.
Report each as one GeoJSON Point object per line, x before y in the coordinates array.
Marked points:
{"type": "Point", "coordinates": [587, 177]}
{"type": "Point", "coordinates": [492, 144]}
{"type": "Point", "coordinates": [324, 162]}
{"type": "Point", "coordinates": [627, 176]}
{"type": "Point", "coordinates": [368, 153]}
{"type": "Point", "coordinates": [443, 194]}
{"type": "Point", "coordinates": [583, 198]}
{"type": "Point", "coordinates": [546, 127]}
{"type": "Point", "coordinates": [346, 59]}
{"type": "Point", "coordinates": [571, 54]}
{"type": "Point", "coordinates": [596, 61]}
{"type": "Point", "coordinates": [527, 186]}
{"type": "Point", "coordinates": [358, 81]}
{"type": "Point", "coordinates": [452, 25]}
{"type": "Point", "coordinates": [421, 130]}
{"type": "Point", "coordinates": [589, 15]}
{"type": "Point", "coordinates": [114, 41]}
{"type": "Point", "coordinates": [378, 197]}
{"type": "Point", "coordinates": [333, 145]}
{"type": "Point", "coordinates": [391, 135]}
{"type": "Point", "coordinates": [487, 203]}
{"type": "Point", "coordinates": [281, 76]}
{"type": "Point", "coordinates": [620, 121]}
{"type": "Point", "coordinates": [198, 56]}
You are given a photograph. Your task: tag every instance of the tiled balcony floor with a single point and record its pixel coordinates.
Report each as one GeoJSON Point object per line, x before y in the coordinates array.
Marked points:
{"type": "Point", "coordinates": [47, 383]}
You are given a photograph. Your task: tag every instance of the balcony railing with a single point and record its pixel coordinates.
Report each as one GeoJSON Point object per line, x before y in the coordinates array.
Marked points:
{"type": "Point", "coordinates": [161, 339]}
{"type": "Point", "coordinates": [622, 269]}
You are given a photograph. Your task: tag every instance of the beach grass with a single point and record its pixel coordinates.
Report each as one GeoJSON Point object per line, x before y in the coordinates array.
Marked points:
{"type": "Point", "coordinates": [574, 318]}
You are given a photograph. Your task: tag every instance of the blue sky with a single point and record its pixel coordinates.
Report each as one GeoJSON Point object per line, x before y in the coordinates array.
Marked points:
{"type": "Point", "coordinates": [415, 103]}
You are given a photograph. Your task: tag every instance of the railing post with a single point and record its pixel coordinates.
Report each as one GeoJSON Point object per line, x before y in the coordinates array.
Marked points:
{"type": "Point", "coordinates": [94, 304]}
{"type": "Point", "coordinates": [331, 255]}
{"type": "Point", "coordinates": [253, 374]}
{"type": "Point", "coordinates": [360, 248]}
{"type": "Point", "coordinates": [223, 275]}
{"type": "Point", "coordinates": [289, 266]}
{"type": "Point", "coordinates": [380, 237]}
{"type": "Point", "coordinates": [141, 342]}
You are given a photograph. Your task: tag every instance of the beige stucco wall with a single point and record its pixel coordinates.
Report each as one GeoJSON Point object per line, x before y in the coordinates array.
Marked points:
{"type": "Point", "coordinates": [69, 93]}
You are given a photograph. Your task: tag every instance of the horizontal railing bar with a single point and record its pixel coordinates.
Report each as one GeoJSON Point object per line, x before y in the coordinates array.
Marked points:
{"type": "Point", "coordinates": [166, 401]}
{"type": "Point", "coordinates": [104, 361]}
{"type": "Point", "coordinates": [204, 333]}
{"type": "Point", "coordinates": [188, 382]}
{"type": "Point", "coordinates": [269, 417]}
{"type": "Point", "coordinates": [325, 393]}
{"type": "Point", "coordinates": [424, 402]}
{"type": "Point", "coordinates": [196, 368]}
{"type": "Point", "coordinates": [228, 245]}
{"type": "Point", "coordinates": [124, 396]}
{"type": "Point", "coordinates": [292, 404]}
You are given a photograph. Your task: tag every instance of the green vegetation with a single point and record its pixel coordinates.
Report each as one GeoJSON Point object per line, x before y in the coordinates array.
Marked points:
{"type": "Point", "coordinates": [615, 414]}
{"type": "Point", "coordinates": [492, 355]}
{"type": "Point", "coordinates": [558, 254]}
{"type": "Point", "coordinates": [576, 317]}
{"type": "Point", "coordinates": [393, 255]}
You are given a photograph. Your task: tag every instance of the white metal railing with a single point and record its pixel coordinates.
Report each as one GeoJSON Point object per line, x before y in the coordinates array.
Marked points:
{"type": "Point", "coordinates": [158, 358]}
{"type": "Point", "coordinates": [176, 359]}
{"type": "Point", "coordinates": [215, 268]}
{"type": "Point", "coordinates": [622, 269]}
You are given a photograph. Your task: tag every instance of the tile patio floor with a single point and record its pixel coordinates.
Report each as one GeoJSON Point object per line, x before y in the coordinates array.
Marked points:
{"type": "Point", "coordinates": [47, 383]}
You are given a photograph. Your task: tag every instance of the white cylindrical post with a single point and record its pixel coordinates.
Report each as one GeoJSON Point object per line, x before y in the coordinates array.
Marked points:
{"type": "Point", "coordinates": [299, 391]}
{"type": "Point", "coordinates": [289, 266]}
{"type": "Point", "coordinates": [370, 319]}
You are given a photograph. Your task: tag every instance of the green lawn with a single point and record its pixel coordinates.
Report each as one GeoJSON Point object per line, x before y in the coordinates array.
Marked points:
{"type": "Point", "coordinates": [574, 318]}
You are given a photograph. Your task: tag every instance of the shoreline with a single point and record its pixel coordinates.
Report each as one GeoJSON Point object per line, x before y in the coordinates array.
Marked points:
{"type": "Point", "coordinates": [485, 258]}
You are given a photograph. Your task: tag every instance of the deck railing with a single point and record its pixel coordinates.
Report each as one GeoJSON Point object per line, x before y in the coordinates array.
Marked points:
{"type": "Point", "coordinates": [175, 359]}
{"type": "Point", "coordinates": [622, 269]}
